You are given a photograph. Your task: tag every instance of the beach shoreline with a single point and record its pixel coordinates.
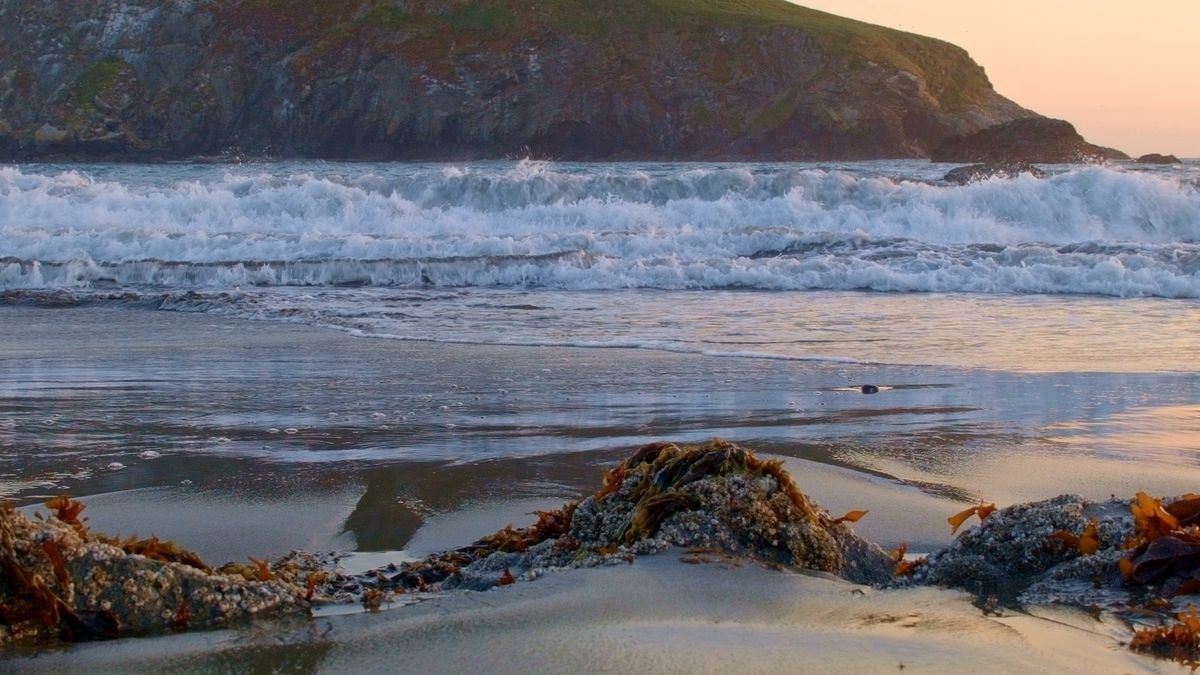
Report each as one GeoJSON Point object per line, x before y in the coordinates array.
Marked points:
{"type": "Point", "coordinates": [246, 417]}
{"type": "Point", "coordinates": [336, 485]}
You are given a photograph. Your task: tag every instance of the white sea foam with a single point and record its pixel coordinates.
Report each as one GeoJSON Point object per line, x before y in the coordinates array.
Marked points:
{"type": "Point", "coordinates": [1092, 230]}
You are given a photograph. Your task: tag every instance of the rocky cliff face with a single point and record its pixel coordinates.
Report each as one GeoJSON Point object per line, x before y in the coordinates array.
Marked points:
{"type": "Point", "coordinates": [459, 79]}
{"type": "Point", "coordinates": [1035, 139]}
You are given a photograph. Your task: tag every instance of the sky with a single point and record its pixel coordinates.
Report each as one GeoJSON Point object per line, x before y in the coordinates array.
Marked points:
{"type": "Point", "coordinates": [1126, 74]}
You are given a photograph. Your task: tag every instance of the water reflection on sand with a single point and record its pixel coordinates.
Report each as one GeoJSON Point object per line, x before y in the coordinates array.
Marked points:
{"type": "Point", "coordinates": [324, 440]}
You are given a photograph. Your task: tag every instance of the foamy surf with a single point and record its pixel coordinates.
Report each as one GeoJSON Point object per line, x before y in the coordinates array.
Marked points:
{"type": "Point", "coordinates": [752, 261]}
{"type": "Point", "coordinates": [879, 227]}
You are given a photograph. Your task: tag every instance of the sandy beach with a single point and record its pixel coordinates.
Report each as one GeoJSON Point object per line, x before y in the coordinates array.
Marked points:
{"type": "Point", "coordinates": [654, 616]}
{"type": "Point", "coordinates": [681, 336]}
{"type": "Point", "coordinates": [272, 436]}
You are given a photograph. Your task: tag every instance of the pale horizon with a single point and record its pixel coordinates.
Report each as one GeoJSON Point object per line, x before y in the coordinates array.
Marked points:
{"type": "Point", "coordinates": [1126, 78]}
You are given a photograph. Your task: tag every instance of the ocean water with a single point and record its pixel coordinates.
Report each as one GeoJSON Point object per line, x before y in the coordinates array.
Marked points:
{"type": "Point", "coordinates": [164, 337]}
{"type": "Point", "coordinates": [875, 262]}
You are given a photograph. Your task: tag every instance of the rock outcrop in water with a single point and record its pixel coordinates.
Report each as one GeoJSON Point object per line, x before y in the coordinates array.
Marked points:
{"type": "Point", "coordinates": [463, 79]}
{"type": "Point", "coordinates": [1155, 158]}
{"type": "Point", "coordinates": [977, 172]}
{"type": "Point", "coordinates": [1030, 140]}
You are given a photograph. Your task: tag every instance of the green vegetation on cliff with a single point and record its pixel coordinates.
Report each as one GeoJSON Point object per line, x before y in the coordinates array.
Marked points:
{"type": "Point", "coordinates": [458, 79]}
{"type": "Point", "coordinates": [950, 74]}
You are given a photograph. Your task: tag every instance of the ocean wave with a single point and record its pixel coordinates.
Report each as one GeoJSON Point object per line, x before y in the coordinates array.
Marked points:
{"type": "Point", "coordinates": [1092, 230]}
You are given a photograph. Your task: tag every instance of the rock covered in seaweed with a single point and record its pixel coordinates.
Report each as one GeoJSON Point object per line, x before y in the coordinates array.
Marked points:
{"type": "Point", "coordinates": [57, 580]}
{"type": "Point", "coordinates": [715, 496]}
{"type": "Point", "coordinates": [725, 497]}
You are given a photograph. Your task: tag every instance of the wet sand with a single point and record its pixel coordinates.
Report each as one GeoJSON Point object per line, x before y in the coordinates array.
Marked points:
{"type": "Point", "coordinates": [654, 616]}
{"type": "Point", "coordinates": [272, 436]}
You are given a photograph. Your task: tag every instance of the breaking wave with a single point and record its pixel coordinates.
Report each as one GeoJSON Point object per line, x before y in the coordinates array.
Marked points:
{"type": "Point", "coordinates": [1105, 231]}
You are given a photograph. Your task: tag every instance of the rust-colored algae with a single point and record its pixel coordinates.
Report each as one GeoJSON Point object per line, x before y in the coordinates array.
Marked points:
{"type": "Point", "coordinates": [1180, 641]}
{"type": "Point", "coordinates": [68, 510]}
{"type": "Point", "coordinates": [50, 547]}
{"type": "Point", "coordinates": [60, 581]}
{"type": "Point", "coordinates": [372, 600]}
{"type": "Point", "coordinates": [982, 510]}
{"type": "Point", "coordinates": [1151, 519]}
{"type": "Point", "coordinates": [183, 617]}
{"type": "Point", "coordinates": [262, 569]}
{"type": "Point", "coordinates": [1086, 542]}
{"type": "Point", "coordinates": [157, 549]}
{"type": "Point", "coordinates": [663, 468]}
{"type": "Point", "coordinates": [1089, 541]}
{"type": "Point", "coordinates": [1165, 550]}
{"type": "Point", "coordinates": [850, 517]}
{"type": "Point", "coordinates": [1166, 544]}
{"type": "Point", "coordinates": [30, 597]}
{"type": "Point", "coordinates": [906, 568]}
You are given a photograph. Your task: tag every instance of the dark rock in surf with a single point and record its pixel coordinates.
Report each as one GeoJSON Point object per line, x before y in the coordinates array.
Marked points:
{"type": "Point", "coordinates": [977, 172]}
{"type": "Point", "coordinates": [1155, 158]}
{"type": "Point", "coordinates": [1030, 140]}
{"type": "Point", "coordinates": [870, 389]}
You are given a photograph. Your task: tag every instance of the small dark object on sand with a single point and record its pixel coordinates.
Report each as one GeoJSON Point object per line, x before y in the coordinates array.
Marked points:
{"type": "Point", "coordinates": [870, 389]}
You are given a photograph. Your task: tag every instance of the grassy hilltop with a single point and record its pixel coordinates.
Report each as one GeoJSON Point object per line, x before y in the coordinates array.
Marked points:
{"type": "Point", "coordinates": [712, 79]}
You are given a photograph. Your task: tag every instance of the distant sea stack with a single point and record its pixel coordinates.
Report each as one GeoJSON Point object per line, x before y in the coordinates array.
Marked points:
{"type": "Point", "coordinates": [457, 79]}
{"type": "Point", "coordinates": [1155, 158]}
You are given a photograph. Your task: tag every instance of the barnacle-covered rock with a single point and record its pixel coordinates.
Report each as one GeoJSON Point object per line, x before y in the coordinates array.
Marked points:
{"type": "Point", "coordinates": [715, 496]}
{"type": "Point", "coordinates": [1030, 552]}
{"type": "Point", "coordinates": [725, 497]}
{"type": "Point", "coordinates": [57, 580]}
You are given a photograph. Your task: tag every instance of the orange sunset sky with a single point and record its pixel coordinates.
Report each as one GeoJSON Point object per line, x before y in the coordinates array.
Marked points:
{"type": "Point", "coordinates": [1127, 74]}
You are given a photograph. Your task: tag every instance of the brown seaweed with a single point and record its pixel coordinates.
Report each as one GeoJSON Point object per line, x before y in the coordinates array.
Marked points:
{"type": "Point", "coordinates": [904, 566]}
{"type": "Point", "coordinates": [372, 600]}
{"type": "Point", "coordinates": [1086, 542]}
{"type": "Point", "coordinates": [850, 517]}
{"type": "Point", "coordinates": [1165, 548]}
{"type": "Point", "coordinates": [654, 484]}
{"type": "Point", "coordinates": [663, 468]}
{"type": "Point", "coordinates": [1179, 641]}
{"type": "Point", "coordinates": [68, 510]}
{"type": "Point", "coordinates": [157, 549]}
{"type": "Point", "coordinates": [982, 510]}
{"type": "Point", "coordinates": [30, 597]}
